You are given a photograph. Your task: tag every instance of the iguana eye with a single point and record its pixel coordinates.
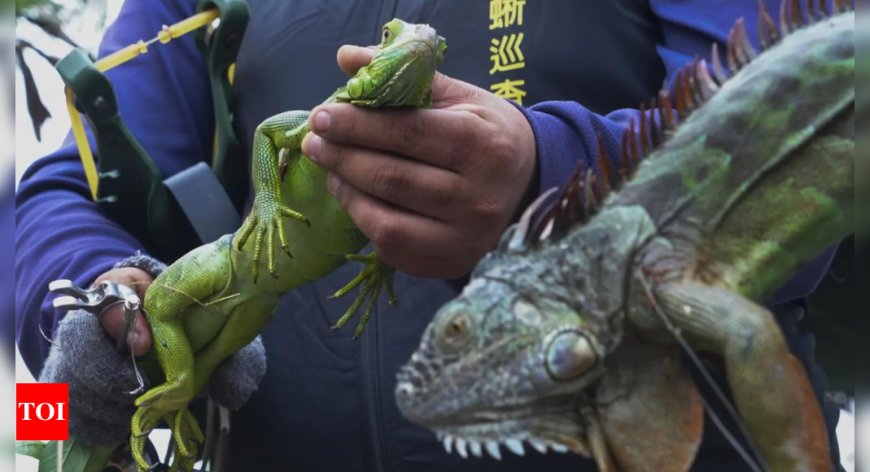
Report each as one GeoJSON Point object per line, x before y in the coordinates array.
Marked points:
{"type": "Point", "coordinates": [569, 356]}
{"type": "Point", "coordinates": [457, 326]}
{"type": "Point", "coordinates": [387, 34]}
{"type": "Point", "coordinates": [454, 332]}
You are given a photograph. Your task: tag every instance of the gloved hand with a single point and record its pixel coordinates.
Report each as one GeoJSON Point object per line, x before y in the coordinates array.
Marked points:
{"type": "Point", "coordinates": [100, 379]}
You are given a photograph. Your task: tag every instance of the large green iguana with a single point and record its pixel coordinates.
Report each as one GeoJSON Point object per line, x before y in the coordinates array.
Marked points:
{"type": "Point", "coordinates": [212, 301]}
{"type": "Point", "coordinates": [568, 335]}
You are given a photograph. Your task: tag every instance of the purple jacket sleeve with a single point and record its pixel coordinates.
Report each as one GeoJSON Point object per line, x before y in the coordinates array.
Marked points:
{"type": "Point", "coordinates": [567, 131]}
{"type": "Point", "coordinates": [164, 98]}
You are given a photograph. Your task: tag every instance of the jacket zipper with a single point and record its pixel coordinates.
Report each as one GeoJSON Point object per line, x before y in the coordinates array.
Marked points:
{"type": "Point", "coordinates": [371, 362]}
{"type": "Point", "coordinates": [371, 356]}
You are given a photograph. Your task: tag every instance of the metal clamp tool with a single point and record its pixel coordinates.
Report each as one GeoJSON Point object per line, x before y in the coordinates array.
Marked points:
{"type": "Point", "coordinates": [95, 300]}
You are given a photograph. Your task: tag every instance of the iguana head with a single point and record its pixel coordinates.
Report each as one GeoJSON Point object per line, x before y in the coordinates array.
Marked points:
{"type": "Point", "coordinates": [500, 365]}
{"type": "Point", "coordinates": [401, 70]}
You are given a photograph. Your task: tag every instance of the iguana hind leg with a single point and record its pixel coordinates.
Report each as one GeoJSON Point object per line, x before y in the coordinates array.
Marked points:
{"type": "Point", "coordinates": [238, 331]}
{"type": "Point", "coordinates": [176, 360]}
{"type": "Point", "coordinates": [374, 277]}
{"type": "Point", "coordinates": [769, 385]}
{"type": "Point", "coordinates": [166, 302]}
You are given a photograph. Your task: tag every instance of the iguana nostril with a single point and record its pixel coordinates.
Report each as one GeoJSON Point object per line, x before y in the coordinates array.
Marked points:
{"type": "Point", "coordinates": [404, 389]}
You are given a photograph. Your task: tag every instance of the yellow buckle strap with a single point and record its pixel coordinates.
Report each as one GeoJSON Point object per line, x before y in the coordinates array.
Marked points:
{"type": "Point", "coordinates": [166, 34]}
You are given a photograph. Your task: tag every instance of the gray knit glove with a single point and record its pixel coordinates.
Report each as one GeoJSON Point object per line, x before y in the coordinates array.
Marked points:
{"type": "Point", "coordinates": [237, 378]}
{"type": "Point", "coordinates": [100, 379]}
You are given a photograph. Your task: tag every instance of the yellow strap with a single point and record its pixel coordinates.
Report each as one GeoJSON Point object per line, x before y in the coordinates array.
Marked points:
{"type": "Point", "coordinates": [168, 33]}
{"type": "Point", "coordinates": [78, 129]}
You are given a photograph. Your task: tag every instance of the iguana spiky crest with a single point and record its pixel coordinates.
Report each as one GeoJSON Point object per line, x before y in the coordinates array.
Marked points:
{"type": "Point", "coordinates": [693, 86]}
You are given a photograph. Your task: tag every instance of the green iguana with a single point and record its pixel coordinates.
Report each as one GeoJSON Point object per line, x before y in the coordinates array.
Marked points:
{"type": "Point", "coordinates": [568, 335]}
{"type": "Point", "coordinates": [212, 301]}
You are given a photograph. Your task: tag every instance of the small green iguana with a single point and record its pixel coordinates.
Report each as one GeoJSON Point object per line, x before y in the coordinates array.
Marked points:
{"type": "Point", "coordinates": [568, 335]}
{"type": "Point", "coordinates": [212, 301]}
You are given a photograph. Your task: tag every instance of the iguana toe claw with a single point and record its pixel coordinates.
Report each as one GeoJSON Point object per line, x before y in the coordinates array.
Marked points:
{"type": "Point", "coordinates": [144, 420]}
{"type": "Point", "coordinates": [374, 277]}
{"type": "Point", "coordinates": [270, 221]}
{"type": "Point", "coordinates": [187, 433]}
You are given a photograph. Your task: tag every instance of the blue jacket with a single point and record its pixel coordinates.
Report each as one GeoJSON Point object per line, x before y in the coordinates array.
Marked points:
{"type": "Point", "coordinates": [326, 402]}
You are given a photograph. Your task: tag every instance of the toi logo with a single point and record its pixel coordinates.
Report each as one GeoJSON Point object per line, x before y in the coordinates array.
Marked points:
{"type": "Point", "coordinates": [42, 412]}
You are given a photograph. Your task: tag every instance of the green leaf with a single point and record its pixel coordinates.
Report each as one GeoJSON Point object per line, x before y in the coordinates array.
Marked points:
{"type": "Point", "coordinates": [78, 456]}
{"type": "Point", "coordinates": [74, 459]}
{"type": "Point", "coordinates": [30, 448]}
{"type": "Point", "coordinates": [99, 458]}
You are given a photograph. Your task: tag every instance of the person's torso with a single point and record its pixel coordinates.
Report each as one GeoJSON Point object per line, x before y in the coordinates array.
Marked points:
{"type": "Point", "coordinates": [326, 402]}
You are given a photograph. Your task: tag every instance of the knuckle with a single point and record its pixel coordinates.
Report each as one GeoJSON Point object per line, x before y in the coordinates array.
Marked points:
{"type": "Point", "coordinates": [409, 131]}
{"type": "Point", "coordinates": [466, 142]}
{"type": "Point", "coordinates": [499, 147]}
{"type": "Point", "coordinates": [488, 211]}
{"type": "Point", "coordinates": [460, 149]}
{"type": "Point", "coordinates": [386, 235]}
{"type": "Point", "coordinates": [332, 156]}
{"type": "Point", "coordinates": [447, 194]}
{"type": "Point", "coordinates": [343, 122]}
{"type": "Point", "coordinates": [342, 196]}
{"type": "Point", "coordinates": [337, 155]}
{"type": "Point", "coordinates": [390, 182]}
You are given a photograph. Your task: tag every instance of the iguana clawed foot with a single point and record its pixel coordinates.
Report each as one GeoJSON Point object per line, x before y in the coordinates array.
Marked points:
{"type": "Point", "coordinates": [375, 276]}
{"type": "Point", "coordinates": [167, 402]}
{"type": "Point", "coordinates": [186, 434]}
{"type": "Point", "coordinates": [267, 219]}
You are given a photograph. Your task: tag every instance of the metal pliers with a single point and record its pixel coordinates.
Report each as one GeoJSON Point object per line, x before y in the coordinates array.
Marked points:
{"type": "Point", "coordinates": [95, 300]}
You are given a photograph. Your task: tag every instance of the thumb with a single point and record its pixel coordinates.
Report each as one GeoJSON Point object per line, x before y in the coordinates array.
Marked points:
{"type": "Point", "coordinates": [351, 58]}
{"type": "Point", "coordinates": [112, 317]}
{"type": "Point", "coordinates": [139, 340]}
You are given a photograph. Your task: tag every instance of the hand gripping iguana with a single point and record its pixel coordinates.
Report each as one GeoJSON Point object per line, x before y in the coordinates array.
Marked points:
{"type": "Point", "coordinates": [568, 335]}
{"type": "Point", "coordinates": [212, 301]}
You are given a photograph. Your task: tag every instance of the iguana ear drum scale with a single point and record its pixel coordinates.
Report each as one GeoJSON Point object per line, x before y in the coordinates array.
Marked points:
{"type": "Point", "coordinates": [568, 335]}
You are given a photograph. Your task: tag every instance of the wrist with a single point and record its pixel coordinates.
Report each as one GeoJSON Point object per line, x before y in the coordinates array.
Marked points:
{"type": "Point", "coordinates": [533, 187]}
{"type": "Point", "coordinates": [148, 264]}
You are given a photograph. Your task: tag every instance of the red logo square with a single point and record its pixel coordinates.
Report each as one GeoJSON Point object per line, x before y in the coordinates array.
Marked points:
{"type": "Point", "coordinates": [42, 412]}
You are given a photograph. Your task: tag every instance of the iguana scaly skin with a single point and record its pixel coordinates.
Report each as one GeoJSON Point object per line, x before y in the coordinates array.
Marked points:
{"type": "Point", "coordinates": [567, 336]}
{"type": "Point", "coordinates": [213, 301]}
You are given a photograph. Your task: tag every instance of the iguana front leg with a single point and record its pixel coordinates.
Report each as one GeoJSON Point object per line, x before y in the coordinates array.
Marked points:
{"type": "Point", "coordinates": [282, 131]}
{"type": "Point", "coordinates": [769, 386]}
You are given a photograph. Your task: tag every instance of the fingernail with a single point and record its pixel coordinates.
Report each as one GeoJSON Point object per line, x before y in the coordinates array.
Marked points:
{"type": "Point", "coordinates": [333, 182]}
{"type": "Point", "coordinates": [322, 120]}
{"type": "Point", "coordinates": [311, 146]}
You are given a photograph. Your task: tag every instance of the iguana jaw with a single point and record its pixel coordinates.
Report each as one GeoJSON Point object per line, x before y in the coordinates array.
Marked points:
{"type": "Point", "coordinates": [478, 393]}
{"type": "Point", "coordinates": [543, 427]}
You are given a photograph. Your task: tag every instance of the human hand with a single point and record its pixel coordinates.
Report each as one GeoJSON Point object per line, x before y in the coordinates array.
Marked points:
{"type": "Point", "coordinates": [232, 382]}
{"type": "Point", "coordinates": [101, 380]}
{"type": "Point", "coordinates": [432, 189]}
{"type": "Point", "coordinates": [112, 318]}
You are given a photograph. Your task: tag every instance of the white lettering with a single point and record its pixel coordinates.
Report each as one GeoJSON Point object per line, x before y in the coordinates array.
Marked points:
{"type": "Point", "coordinates": [39, 410]}
{"type": "Point", "coordinates": [44, 411]}
{"type": "Point", "coordinates": [27, 406]}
